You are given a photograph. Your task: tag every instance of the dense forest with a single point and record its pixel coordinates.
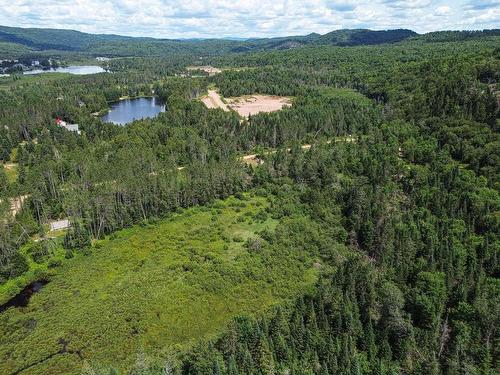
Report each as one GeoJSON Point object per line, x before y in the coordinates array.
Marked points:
{"type": "Point", "coordinates": [395, 206]}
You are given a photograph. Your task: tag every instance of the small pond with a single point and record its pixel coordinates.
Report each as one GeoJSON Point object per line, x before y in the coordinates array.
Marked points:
{"type": "Point", "coordinates": [73, 69]}
{"type": "Point", "coordinates": [23, 298]}
{"type": "Point", "coordinates": [128, 110]}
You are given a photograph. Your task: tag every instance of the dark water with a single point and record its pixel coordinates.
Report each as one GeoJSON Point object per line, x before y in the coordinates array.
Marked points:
{"type": "Point", "coordinates": [128, 110]}
{"type": "Point", "coordinates": [23, 298]}
{"type": "Point", "coordinates": [74, 69]}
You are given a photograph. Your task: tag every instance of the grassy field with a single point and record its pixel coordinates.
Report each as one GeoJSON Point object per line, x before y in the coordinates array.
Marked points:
{"type": "Point", "coordinates": [153, 289]}
{"type": "Point", "coordinates": [16, 80]}
{"type": "Point", "coordinates": [11, 170]}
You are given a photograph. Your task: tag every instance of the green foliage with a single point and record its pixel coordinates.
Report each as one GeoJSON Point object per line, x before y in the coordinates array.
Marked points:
{"type": "Point", "coordinates": [429, 299]}
{"type": "Point", "coordinates": [16, 266]}
{"type": "Point", "coordinates": [13, 50]}
{"type": "Point", "coordinates": [390, 209]}
{"type": "Point", "coordinates": [165, 285]}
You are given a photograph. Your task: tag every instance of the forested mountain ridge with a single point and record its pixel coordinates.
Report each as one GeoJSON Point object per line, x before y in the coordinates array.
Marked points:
{"type": "Point", "coordinates": [39, 40]}
{"type": "Point", "coordinates": [45, 39]}
{"type": "Point", "coordinates": [72, 40]}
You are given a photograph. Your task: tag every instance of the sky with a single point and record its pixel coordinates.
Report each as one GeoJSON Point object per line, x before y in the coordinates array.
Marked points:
{"type": "Point", "coordinates": [247, 18]}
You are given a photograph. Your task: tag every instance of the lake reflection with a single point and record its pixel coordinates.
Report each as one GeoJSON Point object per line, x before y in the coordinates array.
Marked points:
{"type": "Point", "coordinates": [128, 110]}
{"type": "Point", "coordinates": [74, 69]}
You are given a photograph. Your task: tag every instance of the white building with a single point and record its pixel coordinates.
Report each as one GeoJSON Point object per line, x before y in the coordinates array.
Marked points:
{"type": "Point", "coordinates": [70, 127]}
{"type": "Point", "coordinates": [58, 225]}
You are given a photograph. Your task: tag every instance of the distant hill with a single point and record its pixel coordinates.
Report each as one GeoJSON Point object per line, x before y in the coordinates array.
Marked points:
{"type": "Point", "coordinates": [12, 50]}
{"type": "Point", "coordinates": [57, 39]}
{"type": "Point", "coordinates": [75, 41]}
{"type": "Point", "coordinates": [31, 41]}
{"type": "Point", "coordinates": [453, 36]}
{"type": "Point", "coordinates": [358, 37]}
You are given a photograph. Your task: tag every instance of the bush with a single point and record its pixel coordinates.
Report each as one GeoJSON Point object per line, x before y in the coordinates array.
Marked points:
{"type": "Point", "coordinates": [53, 263]}
{"type": "Point", "coordinates": [260, 216]}
{"type": "Point", "coordinates": [77, 237]}
{"type": "Point", "coordinates": [238, 238]}
{"type": "Point", "coordinates": [16, 265]}
{"type": "Point", "coordinates": [254, 244]}
{"type": "Point", "coordinates": [38, 251]}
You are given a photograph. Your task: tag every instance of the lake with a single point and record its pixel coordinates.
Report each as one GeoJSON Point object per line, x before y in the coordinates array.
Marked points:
{"type": "Point", "coordinates": [73, 69]}
{"type": "Point", "coordinates": [128, 110]}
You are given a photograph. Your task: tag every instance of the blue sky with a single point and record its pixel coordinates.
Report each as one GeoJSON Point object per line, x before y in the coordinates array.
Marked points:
{"type": "Point", "coordinates": [247, 18]}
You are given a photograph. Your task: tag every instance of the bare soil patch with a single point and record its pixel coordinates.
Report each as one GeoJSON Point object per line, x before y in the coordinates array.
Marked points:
{"type": "Point", "coordinates": [251, 105]}
{"type": "Point", "coordinates": [214, 100]}
{"type": "Point", "coordinates": [248, 105]}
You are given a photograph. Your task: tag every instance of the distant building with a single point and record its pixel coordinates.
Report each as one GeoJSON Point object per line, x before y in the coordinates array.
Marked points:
{"type": "Point", "coordinates": [69, 127]}
{"type": "Point", "coordinates": [210, 70]}
{"type": "Point", "coordinates": [60, 224]}
{"type": "Point", "coordinates": [100, 58]}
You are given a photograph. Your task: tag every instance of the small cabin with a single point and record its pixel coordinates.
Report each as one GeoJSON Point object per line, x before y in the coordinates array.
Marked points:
{"type": "Point", "coordinates": [69, 127]}
{"type": "Point", "coordinates": [59, 225]}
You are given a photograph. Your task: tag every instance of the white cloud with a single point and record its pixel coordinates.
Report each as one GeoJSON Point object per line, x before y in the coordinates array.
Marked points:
{"type": "Point", "coordinates": [246, 18]}
{"type": "Point", "coordinates": [443, 10]}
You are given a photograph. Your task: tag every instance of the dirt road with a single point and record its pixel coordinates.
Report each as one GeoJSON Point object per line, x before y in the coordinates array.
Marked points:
{"type": "Point", "coordinates": [213, 100]}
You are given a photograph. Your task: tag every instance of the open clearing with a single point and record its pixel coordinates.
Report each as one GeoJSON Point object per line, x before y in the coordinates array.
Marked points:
{"type": "Point", "coordinates": [151, 289]}
{"type": "Point", "coordinates": [210, 70]}
{"type": "Point", "coordinates": [11, 170]}
{"type": "Point", "coordinates": [247, 105]}
{"type": "Point", "coordinates": [251, 105]}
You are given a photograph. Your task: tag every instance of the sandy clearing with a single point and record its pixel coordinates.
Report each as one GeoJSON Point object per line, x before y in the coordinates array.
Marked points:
{"type": "Point", "coordinates": [214, 100]}
{"type": "Point", "coordinates": [251, 105]}
{"type": "Point", "coordinates": [10, 166]}
{"type": "Point", "coordinates": [248, 105]}
{"type": "Point", "coordinates": [16, 204]}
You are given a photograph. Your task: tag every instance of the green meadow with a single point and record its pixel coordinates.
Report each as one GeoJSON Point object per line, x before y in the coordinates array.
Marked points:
{"type": "Point", "coordinates": [155, 289]}
{"type": "Point", "coordinates": [12, 173]}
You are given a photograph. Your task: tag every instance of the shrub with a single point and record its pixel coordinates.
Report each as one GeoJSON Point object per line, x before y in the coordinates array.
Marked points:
{"type": "Point", "coordinates": [254, 244]}
{"type": "Point", "coordinates": [15, 266]}
{"type": "Point", "coordinates": [53, 263]}
{"type": "Point", "coordinates": [77, 237]}
{"type": "Point", "coordinates": [260, 216]}
{"type": "Point", "coordinates": [38, 251]}
{"type": "Point", "coordinates": [238, 238]}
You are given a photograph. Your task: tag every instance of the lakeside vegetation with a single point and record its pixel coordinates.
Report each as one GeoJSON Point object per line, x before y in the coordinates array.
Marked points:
{"type": "Point", "coordinates": [374, 251]}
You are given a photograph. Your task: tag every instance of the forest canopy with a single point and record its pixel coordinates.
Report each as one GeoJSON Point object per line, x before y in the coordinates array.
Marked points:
{"type": "Point", "coordinates": [366, 228]}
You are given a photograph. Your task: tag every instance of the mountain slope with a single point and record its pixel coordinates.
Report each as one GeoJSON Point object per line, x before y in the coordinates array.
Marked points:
{"type": "Point", "coordinates": [12, 50]}
{"type": "Point", "coordinates": [26, 39]}
{"type": "Point", "coordinates": [70, 40]}
{"type": "Point", "coordinates": [364, 37]}
{"type": "Point", "coordinates": [58, 39]}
